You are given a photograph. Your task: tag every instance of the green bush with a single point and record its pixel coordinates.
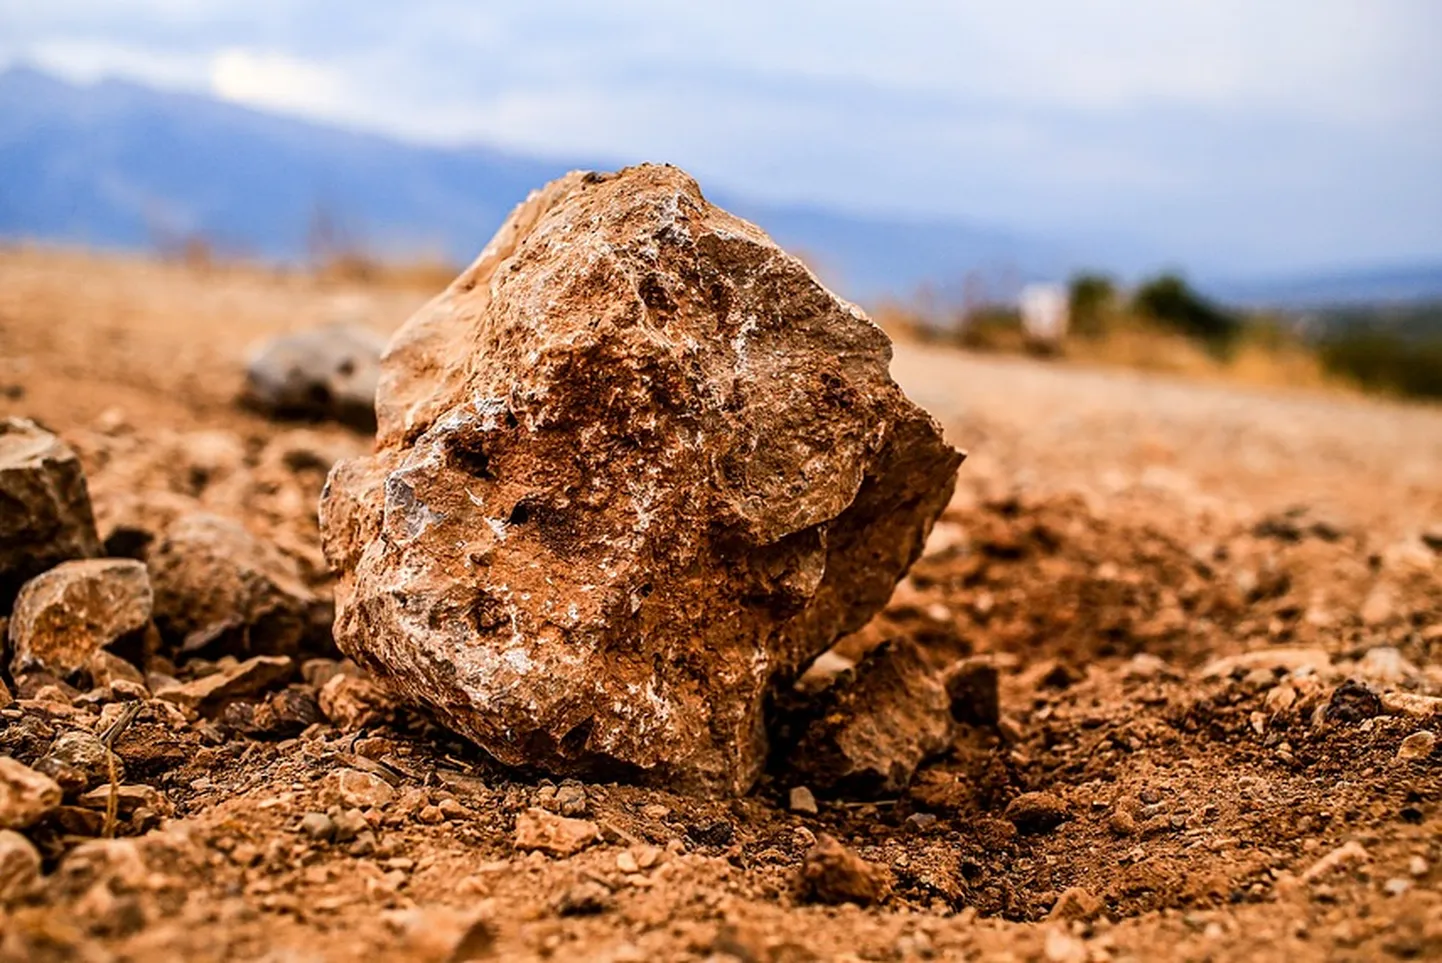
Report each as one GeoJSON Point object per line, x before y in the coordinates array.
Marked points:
{"type": "Point", "coordinates": [1170, 302]}
{"type": "Point", "coordinates": [1091, 300]}
{"type": "Point", "coordinates": [1385, 361]}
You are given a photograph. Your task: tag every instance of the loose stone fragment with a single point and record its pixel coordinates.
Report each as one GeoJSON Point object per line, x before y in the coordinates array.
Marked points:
{"type": "Point", "coordinates": [78, 760]}
{"type": "Point", "coordinates": [218, 588]}
{"type": "Point", "coordinates": [802, 800]}
{"type": "Point", "coordinates": [355, 703]}
{"type": "Point", "coordinates": [231, 680]}
{"type": "Point", "coordinates": [25, 795]}
{"type": "Point", "coordinates": [1418, 745]}
{"type": "Point", "coordinates": [635, 469]}
{"type": "Point", "coordinates": [19, 866]}
{"type": "Point", "coordinates": [868, 737]}
{"type": "Point", "coordinates": [64, 617]}
{"type": "Point", "coordinates": [326, 373]}
{"type": "Point", "coordinates": [1036, 812]}
{"type": "Point", "coordinates": [831, 873]}
{"type": "Point", "coordinates": [973, 688]}
{"type": "Point", "coordinates": [360, 790]}
{"type": "Point", "coordinates": [45, 515]}
{"type": "Point", "coordinates": [558, 835]}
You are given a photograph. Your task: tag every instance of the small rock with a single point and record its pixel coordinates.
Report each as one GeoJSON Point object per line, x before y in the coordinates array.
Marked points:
{"type": "Point", "coordinates": [19, 867]}
{"type": "Point", "coordinates": [355, 703]}
{"type": "Point", "coordinates": [1352, 702]}
{"type": "Point", "coordinates": [1412, 704]}
{"type": "Point", "coordinates": [350, 824]}
{"type": "Point", "coordinates": [46, 517]}
{"type": "Point", "coordinates": [361, 790]}
{"type": "Point", "coordinates": [25, 795]}
{"type": "Point", "coordinates": [1346, 856]}
{"type": "Point", "coordinates": [64, 617]}
{"type": "Point", "coordinates": [1418, 745]}
{"type": "Point", "coordinates": [218, 588]}
{"type": "Point", "coordinates": [1385, 665]}
{"type": "Point", "coordinates": [326, 373]}
{"type": "Point", "coordinates": [1062, 947]}
{"type": "Point", "coordinates": [626, 862]}
{"type": "Point", "coordinates": [802, 800]}
{"type": "Point", "coordinates": [1036, 812]}
{"type": "Point", "coordinates": [107, 668]}
{"type": "Point", "coordinates": [973, 688]}
{"type": "Point", "coordinates": [537, 829]}
{"type": "Point", "coordinates": [128, 799]}
{"type": "Point", "coordinates": [452, 810]}
{"type": "Point", "coordinates": [282, 715]}
{"type": "Point", "coordinates": [833, 874]}
{"type": "Point", "coordinates": [1417, 866]}
{"type": "Point", "coordinates": [828, 669]}
{"type": "Point", "coordinates": [1378, 608]}
{"type": "Point", "coordinates": [318, 826]}
{"type": "Point", "coordinates": [921, 822]}
{"type": "Point", "coordinates": [78, 760]}
{"type": "Point", "coordinates": [1145, 665]}
{"type": "Point", "coordinates": [231, 680]}
{"type": "Point", "coordinates": [586, 898]}
{"type": "Point", "coordinates": [1283, 659]}
{"type": "Point", "coordinates": [1396, 886]}
{"type": "Point", "coordinates": [1075, 903]}
{"type": "Point", "coordinates": [866, 738]}
{"type": "Point", "coordinates": [571, 800]}
{"type": "Point", "coordinates": [1122, 822]}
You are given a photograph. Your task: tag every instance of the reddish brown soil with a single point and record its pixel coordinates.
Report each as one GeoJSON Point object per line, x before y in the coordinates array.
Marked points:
{"type": "Point", "coordinates": [1111, 537]}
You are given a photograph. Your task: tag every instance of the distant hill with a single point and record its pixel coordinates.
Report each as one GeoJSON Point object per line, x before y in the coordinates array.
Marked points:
{"type": "Point", "coordinates": [1395, 284]}
{"type": "Point", "coordinates": [115, 164]}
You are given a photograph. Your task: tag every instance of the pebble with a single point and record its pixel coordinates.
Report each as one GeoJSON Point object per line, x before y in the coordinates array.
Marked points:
{"type": "Point", "coordinates": [1347, 855]}
{"type": "Point", "coordinates": [1036, 812]}
{"type": "Point", "coordinates": [361, 790]}
{"type": "Point", "coordinates": [802, 800]}
{"type": "Point", "coordinates": [586, 898]}
{"type": "Point", "coordinates": [317, 826]}
{"type": "Point", "coordinates": [349, 824]}
{"type": "Point", "coordinates": [544, 831]}
{"type": "Point", "coordinates": [19, 866]}
{"type": "Point", "coordinates": [920, 822]}
{"type": "Point", "coordinates": [626, 862]}
{"type": "Point", "coordinates": [1396, 886]}
{"type": "Point", "coordinates": [1417, 866]}
{"type": "Point", "coordinates": [831, 873]}
{"type": "Point", "coordinates": [1418, 745]}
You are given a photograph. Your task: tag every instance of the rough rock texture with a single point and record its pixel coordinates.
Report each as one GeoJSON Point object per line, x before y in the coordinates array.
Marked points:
{"type": "Point", "coordinates": [230, 680]}
{"type": "Point", "coordinates": [25, 795]}
{"type": "Point", "coordinates": [45, 515]}
{"type": "Point", "coordinates": [834, 874]}
{"type": "Point", "coordinates": [635, 468]}
{"type": "Point", "coordinates": [218, 587]}
{"type": "Point", "coordinates": [324, 373]}
{"type": "Point", "coordinates": [63, 617]}
{"type": "Point", "coordinates": [868, 735]}
{"type": "Point", "coordinates": [19, 866]}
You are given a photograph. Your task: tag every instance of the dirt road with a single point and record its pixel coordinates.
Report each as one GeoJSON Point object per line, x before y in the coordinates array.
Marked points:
{"type": "Point", "coordinates": [1175, 578]}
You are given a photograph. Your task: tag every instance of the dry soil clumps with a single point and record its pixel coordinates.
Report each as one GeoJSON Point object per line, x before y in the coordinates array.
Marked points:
{"type": "Point", "coordinates": [636, 467]}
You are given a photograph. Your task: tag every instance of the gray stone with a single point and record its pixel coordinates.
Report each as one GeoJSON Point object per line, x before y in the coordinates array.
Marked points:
{"type": "Point", "coordinates": [326, 373]}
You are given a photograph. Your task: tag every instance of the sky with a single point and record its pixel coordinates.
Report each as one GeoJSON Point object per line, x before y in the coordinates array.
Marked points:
{"type": "Point", "coordinates": [1230, 134]}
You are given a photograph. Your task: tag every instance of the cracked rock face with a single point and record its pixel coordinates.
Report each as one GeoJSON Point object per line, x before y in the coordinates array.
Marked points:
{"type": "Point", "coordinates": [634, 468]}
{"type": "Point", "coordinates": [45, 515]}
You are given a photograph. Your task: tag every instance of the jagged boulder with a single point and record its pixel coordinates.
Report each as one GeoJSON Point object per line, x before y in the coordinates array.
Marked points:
{"type": "Point", "coordinates": [636, 467]}
{"type": "Point", "coordinates": [45, 515]}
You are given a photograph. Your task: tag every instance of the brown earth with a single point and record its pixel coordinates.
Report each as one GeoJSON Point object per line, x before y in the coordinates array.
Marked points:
{"type": "Point", "coordinates": [1113, 535]}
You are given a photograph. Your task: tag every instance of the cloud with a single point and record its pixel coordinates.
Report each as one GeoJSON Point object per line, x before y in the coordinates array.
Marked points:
{"type": "Point", "coordinates": [278, 81]}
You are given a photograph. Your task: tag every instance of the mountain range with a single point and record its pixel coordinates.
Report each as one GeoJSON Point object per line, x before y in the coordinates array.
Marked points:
{"type": "Point", "coordinates": [116, 164]}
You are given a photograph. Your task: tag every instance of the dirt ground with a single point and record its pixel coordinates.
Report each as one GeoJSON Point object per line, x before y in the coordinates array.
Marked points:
{"type": "Point", "coordinates": [1177, 581]}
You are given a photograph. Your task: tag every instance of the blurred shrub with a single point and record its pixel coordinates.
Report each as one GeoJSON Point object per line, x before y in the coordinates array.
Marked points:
{"type": "Point", "coordinates": [1091, 300]}
{"type": "Point", "coordinates": [993, 328]}
{"type": "Point", "coordinates": [1170, 302]}
{"type": "Point", "coordinates": [1386, 361]}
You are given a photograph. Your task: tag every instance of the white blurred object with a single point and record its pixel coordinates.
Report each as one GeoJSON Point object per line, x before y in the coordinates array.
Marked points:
{"type": "Point", "coordinates": [1044, 313]}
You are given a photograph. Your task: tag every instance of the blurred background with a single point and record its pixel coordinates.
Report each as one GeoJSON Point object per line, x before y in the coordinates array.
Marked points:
{"type": "Point", "coordinates": [1219, 186]}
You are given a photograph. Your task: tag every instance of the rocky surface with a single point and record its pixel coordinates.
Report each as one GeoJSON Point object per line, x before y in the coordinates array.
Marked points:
{"type": "Point", "coordinates": [866, 736]}
{"type": "Point", "coordinates": [45, 514]}
{"type": "Point", "coordinates": [1101, 550]}
{"type": "Point", "coordinates": [219, 588]}
{"type": "Point", "coordinates": [64, 617]}
{"type": "Point", "coordinates": [25, 795]}
{"type": "Point", "coordinates": [636, 468]}
{"type": "Point", "coordinates": [323, 373]}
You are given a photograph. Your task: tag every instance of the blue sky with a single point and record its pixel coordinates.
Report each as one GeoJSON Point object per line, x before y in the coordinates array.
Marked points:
{"type": "Point", "coordinates": [1232, 135]}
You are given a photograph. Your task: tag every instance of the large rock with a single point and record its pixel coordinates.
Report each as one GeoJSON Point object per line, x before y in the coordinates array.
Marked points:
{"type": "Point", "coordinates": [635, 468]}
{"type": "Point", "coordinates": [220, 589]}
{"type": "Point", "coordinates": [324, 373]}
{"type": "Point", "coordinates": [45, 515]}
{"type": "Point", "coordinates": [25, 795]}
{"type": "Point", "coordinates": [66, 615]}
